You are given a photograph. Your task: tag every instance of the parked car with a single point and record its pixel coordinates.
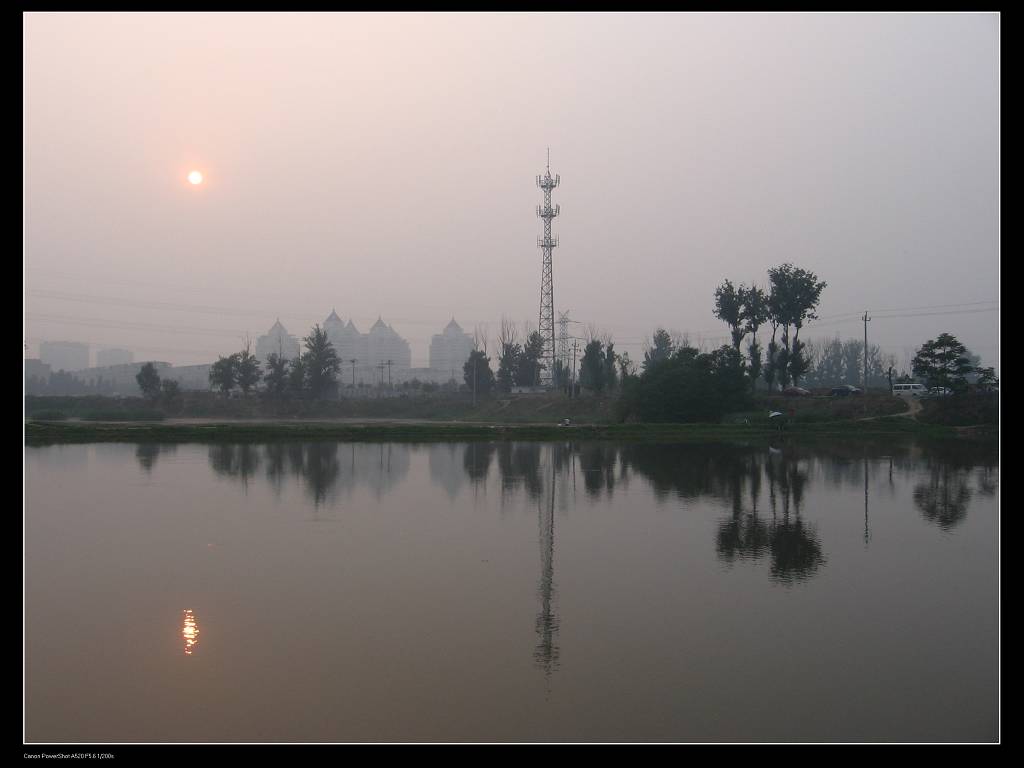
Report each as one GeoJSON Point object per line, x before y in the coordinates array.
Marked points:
{"type": "Point", "coordinates": [843, 390]}
{"type": "Point", "coordinates": [939, 392]}
{"type": "Point", "coordinates": [909, 390]}
{"type": "Point", "coordinates": [796, 392]}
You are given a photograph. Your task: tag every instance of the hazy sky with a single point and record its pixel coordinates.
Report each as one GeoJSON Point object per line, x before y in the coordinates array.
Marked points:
{"type": "Point", "coordinates": [384, 164]}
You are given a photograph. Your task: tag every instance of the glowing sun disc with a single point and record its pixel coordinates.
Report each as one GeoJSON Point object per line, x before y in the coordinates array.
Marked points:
{"type": "Point", "coordinates": [195, 177]}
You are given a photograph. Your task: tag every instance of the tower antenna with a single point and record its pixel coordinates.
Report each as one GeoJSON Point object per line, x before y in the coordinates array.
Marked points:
{"type": "Point", "coordinates": [546, 323]}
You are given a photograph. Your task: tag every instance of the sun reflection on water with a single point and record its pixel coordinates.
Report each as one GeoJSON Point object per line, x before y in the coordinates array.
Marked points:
{"type": "Point", "coordinates": [190, 631]}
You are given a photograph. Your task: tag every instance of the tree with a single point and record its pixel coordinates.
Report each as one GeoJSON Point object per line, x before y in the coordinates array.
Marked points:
{"type": "Point", "coordinates": [661, 348]}
{"type": "Point", "coordinates": [321, 363]}
{"type": "Point", "coordinates": [729, 309]}
{"type": "Point", "coordinates": [224, 374]}
{"type": "Point", "coordinates": [987, 380]}
{"type": "Point", "coordinates": [690, 386]}
{"type": "Point", "coordinates": [529, 368]}
{"type": "Point", "coordinates": [627, 368]}
{"type": "Point", "coordinates": [297, 377]}
{"type": "Point", "coordinates": [170, 389]}
{"type": "Point", "coordinates": [276, 377]}
{"type": "Point", "coordinates": [247, 370]}
{"type": "Point", "coordinates": [610, 376]}
{"type": "Point", "coordinates": [755, 314]}
{"type": "Point", "coordinates": [477, 373]}
{"type": "Point", "coordinates": [943, 362]}
{"type": "Point", "coordinates": [792, 301]}
{"type": "Point", "coordinates": [508, 354]}
{"type": "Point", "coordinates": [798, 363]}
{"type": "Point", "coordinates": [149, 381]}
{"type": "Point", "coordinates": [592, 366]}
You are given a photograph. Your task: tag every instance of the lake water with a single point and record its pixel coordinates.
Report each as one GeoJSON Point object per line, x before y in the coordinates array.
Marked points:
{"type": "Point", "coordinates": [511, 592]}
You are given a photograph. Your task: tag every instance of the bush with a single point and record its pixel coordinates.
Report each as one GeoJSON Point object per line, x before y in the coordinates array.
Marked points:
{"type": "Point", "coordinates": [49, 416]}
{"type": "Point", "coordinates": [126, 415]}
{"type": "Point", "coordinates": [962, 410]}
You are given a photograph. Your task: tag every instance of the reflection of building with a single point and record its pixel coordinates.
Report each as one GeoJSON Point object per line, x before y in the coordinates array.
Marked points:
{"type": "Point", "coordinates": [105, 357]}
{"type": "Point", "coordinates": [277, 341]}
{"type": "Point", "coordinates": [64, 355]}
{"type": "Point", "coordinates": [450, 350]}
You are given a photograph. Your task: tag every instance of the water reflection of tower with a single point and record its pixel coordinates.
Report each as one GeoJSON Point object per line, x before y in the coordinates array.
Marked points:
{"type": "Point", "coordinates": [546, 653]}
{"type": "Point", "coordinates": [867, 530]}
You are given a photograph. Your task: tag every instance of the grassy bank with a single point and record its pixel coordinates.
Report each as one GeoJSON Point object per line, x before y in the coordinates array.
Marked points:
{"type": "Point", "coordinates": [41, 433]}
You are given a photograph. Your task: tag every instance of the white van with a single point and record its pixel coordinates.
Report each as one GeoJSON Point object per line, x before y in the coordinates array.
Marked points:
{"type": "Point", "coordinates": [909, 390]}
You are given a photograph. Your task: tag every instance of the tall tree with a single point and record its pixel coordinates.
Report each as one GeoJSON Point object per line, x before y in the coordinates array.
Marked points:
{"type": "Point", "coordinates": [247, 370]}
{"type": "Point", "coordinates": [592, 366]}
{"type": "Point", "coordinates": [296, 377]}
{"type": "Point", "coordinates": [509, 352]}
{"type": "Point", "coordinates": [149, 381]}
{"type": "Point", "coordinates": [755, 314]}
{"type": "Point", "coordinates": [529, 367]}
{"type": "Point", "coordinates": [610, 374]}
{"type": "Point", "coordinates": [321, 363]}
{"type": "Point", "coordinates": [661, 348]}
{"type": "Point", "coordinates": [943, 362]}
{"type": "Point", "coordinates": [477, 373]}
{"type": "Point", "coordinates": [729, 309]}
{"type": "Point", "coordinates": [794, 297]}
{"type": "Point", "coordinates": [276, 377]}
{"type": "Point", "coordinates": [224, 374]}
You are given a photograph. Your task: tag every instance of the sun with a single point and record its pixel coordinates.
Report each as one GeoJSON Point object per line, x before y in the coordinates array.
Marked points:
{"type": "Point", "coordinates": [195, 177]}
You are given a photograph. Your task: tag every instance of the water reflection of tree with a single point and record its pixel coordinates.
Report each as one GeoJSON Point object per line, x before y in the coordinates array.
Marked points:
{"type": "Point", "coordinates": [597, 463]}
{"type": "Point", "coordinates": [744, 535]}
{"type": "Point", "coordinates": [943, 500]}
{"type": "Point", "coordinates": [519, 464]}
{"type": "Point", "coordinates": [148, 453]}
{"type": "Point", "coordinates": [322, 467]}
{"type": "Point", "coordinates": [237, 461]}
{"type": "Point", "coordinates": [476, 460]}
{"type": "Point", "coordinates": [322, 470]}
{"type": "Point", "coordinates": [795, 550]}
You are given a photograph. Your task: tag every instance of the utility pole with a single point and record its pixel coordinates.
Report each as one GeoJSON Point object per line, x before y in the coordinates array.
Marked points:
{"type": "Point", "coordinates": [389, 374]}
{"type": "Point", "coordinates": [353, 361]}
{"type": "Point", "coordinates": [866, 320]}
{"type": "Point", "coordinates": [474, 381]}
{"type": "Point", "coordinates": [572, 371]}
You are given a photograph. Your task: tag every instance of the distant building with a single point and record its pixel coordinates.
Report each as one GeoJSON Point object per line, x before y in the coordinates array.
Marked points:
{"type": "Point", "coordinates": [369, 350]}
{"type": "Point", "coordinates": [114, 357]}
{"type": "Point", "coordinates": [64, 355]}
{"type": "Point", "coordinates": [278, 341]}
{"type": "Point", "coordinates": [383, 344]}
{"type": "Point", "coordinates": [450, 350]}
{"type": "Point", "coordinates": [117, 379]}
{"type": "Point", "coordinates": [189, 376]}
{"type": "Point", "coordinates": [37, 375]}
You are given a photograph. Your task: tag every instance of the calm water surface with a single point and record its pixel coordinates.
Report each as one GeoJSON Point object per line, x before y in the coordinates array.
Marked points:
{"type": "Point", "coordinates": [511, 592]}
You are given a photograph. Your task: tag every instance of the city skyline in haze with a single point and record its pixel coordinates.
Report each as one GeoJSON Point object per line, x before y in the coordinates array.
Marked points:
{"type": "Point", "coordinates": [384, 164]}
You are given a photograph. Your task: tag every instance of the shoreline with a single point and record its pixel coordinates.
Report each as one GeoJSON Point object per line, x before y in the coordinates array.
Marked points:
{"type": "Point", "coordinates": [206, 431]}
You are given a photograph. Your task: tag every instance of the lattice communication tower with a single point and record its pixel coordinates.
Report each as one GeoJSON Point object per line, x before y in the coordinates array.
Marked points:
{"type": "Point", "coordinates": [546, 324]}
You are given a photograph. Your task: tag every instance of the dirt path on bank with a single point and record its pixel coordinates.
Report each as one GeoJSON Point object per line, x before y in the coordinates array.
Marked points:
{"type": "Point", "coordinates": [913, 408]}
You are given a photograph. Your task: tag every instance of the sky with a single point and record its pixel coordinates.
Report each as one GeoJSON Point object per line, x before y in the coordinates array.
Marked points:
{"type": "Point", "coordinates": [385, 165]}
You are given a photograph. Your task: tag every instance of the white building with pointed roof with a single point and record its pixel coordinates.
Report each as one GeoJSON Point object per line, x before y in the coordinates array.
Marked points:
{"type": "Point", "coordinates": [278, 341]}
{"type": "Point", "coordinates": [450, 349]}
